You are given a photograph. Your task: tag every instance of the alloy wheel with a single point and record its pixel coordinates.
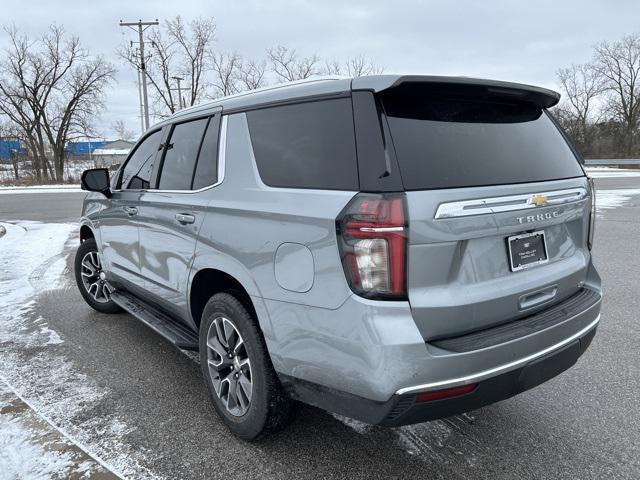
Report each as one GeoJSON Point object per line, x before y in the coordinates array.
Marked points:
{"type": "Point", "coordinates": [229, 366]}
{"type": "Point", "coordinates": [94, 278]}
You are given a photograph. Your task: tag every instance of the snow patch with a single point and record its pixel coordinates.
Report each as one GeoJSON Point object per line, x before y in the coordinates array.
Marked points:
{"type": "Point", "coordinates": [22, 457]}
{"type": "Point", "coordinates": [357, 426]}
{"type": "Point", "coordinates": [438, 440]}
{"type": "Point", "coordinates": [24, 247]}
{"type": "Point", "coordinates": [41, 189]}
{"type": "Point", "coordinates": [606, 199]}
{"type": "Point", "coordinates": [33, 363]}
{"type": "Point", "coordinates": [608, 172]}
{"type": "Point", "coordinates": [54, 338]}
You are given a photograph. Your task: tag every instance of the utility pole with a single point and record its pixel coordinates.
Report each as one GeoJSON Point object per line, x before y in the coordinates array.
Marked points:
{"type": "Point", "coordinates": [141, 27]}
{"type": "Point", "coordinates": [180, 102]}
{"type": "Point", "coordinates": [141, 101]}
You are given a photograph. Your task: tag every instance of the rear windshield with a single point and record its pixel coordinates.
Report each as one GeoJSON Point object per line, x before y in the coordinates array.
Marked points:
{"type": "Point", "coordinates": [447, 139]}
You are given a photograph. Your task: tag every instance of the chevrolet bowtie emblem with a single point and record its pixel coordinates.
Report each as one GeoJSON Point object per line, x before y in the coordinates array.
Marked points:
{"type": "Point", "coordinates": [538, 200]}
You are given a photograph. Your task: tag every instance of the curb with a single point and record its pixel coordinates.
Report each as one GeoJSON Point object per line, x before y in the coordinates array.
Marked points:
{"type": "Point", "coordinates": [2, 231]}
{"type": "Point", "coordinates": [38, 434]}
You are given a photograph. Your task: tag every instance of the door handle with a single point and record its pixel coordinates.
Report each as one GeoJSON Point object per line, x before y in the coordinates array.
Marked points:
{"type": "Point", "coordinates": [131, 211]}
{"type": "Point", "coordinates": [185, 218]}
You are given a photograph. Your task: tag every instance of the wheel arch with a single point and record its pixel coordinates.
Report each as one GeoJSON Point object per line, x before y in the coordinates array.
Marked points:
{"type": "Point", "coordinates": [86, 233]}
{"type": "Point", "coordinates": [206, 282]}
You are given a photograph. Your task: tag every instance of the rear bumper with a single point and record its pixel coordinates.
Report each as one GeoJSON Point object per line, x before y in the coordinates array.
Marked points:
{"type": "Point", "coordinates": [493, 385]}
{"type": "Point", "coordinates": [373, 349]}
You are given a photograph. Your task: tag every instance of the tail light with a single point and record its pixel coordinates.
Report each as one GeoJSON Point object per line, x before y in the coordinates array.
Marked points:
{"type": "Point", "coordinates": [592, 215]}
{"type": "Point", "coordinates": [372, 235]}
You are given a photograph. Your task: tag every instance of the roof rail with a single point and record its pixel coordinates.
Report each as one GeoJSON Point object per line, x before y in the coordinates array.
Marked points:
{"type": "Point", "coordinates": [312, 79]}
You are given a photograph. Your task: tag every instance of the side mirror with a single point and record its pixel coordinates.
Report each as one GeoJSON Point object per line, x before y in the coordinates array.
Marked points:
{"type": "Point", "coordinates": [96, 180]}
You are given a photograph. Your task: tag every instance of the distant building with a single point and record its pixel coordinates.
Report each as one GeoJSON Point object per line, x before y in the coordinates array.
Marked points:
{"type": "Point", "coordinates": [9, 149]}
{"type": "Point", "coordinates": [112, 153]}
{"type": "Point", "coordinates": [82, 150]}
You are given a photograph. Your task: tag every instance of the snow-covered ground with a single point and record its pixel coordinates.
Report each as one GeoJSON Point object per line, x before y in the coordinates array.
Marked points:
{"type": "Point", "coordinates": [32, 364]}
{"type": "Point", "coordinates": [23, 457]}
{"type": "Point", "coordinates": [41, 189]}
{"type": "Point", "coordinates": [30, 448]}
{"type": "Point", "coordinates": [606, 199]}
{"type": "Point", "coordinates": [607, 172]}
{"type": "Point", "coordinates": [72, 171]}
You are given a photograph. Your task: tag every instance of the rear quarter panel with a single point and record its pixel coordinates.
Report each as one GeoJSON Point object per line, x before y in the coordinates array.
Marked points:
{"type": "Point", "coordinates": [246, 221]}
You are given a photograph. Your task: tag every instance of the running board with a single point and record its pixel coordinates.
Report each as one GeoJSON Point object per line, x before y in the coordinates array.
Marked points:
{"type": "Point", "coordinates": [171, 329]}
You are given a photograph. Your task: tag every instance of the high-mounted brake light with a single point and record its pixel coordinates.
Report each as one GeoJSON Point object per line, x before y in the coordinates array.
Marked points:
{"type": "Point", "coordinates": [372, 232]}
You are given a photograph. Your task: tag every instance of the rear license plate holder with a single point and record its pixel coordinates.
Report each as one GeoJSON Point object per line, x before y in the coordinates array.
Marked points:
{"type": "Point", "coordinates": [527, 250]}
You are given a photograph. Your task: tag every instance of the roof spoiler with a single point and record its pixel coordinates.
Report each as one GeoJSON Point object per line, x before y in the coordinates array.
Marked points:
{"type": "Point", "coordinates": [541, 97]}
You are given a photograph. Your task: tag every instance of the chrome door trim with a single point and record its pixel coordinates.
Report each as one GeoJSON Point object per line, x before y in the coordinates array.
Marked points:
{"type": "Point", "coordinates": [222, 147]}
{"type": "Point", "coordinates": [221, 166]}
{"type": "Point", "coordinates": [508, 203]}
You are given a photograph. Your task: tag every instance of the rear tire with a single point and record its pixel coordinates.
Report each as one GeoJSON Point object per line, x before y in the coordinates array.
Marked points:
{"type": "Point", "coordinates": [243, 386]}
{"type": "Point", "coordinates": [90, 278]}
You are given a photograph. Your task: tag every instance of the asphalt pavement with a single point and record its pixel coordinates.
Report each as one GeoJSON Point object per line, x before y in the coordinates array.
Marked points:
{"type": "Point", "coordinates": [581, 424]}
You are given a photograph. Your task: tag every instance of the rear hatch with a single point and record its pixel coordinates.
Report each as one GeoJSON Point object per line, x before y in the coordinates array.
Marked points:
{"type": "Point", "coordinates": [498, 204]}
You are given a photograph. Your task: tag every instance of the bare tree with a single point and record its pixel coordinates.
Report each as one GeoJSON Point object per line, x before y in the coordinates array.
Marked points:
{"type": "Point", "coordinates": [177, 49]}
{"type": "Point", "coordinates": [24, 83]}
{"type": "Point", "coordinates": [226, 70]}
{"type": "Point", "coordinates": [360, 65]}
{"type": "Point", "coordinates": [162, 64]}
{"type": "Point", "coordinates": [121, 131]}
{"type": "Point", "coordinates": [52, 89]}
{"type": "Point", "coordinates": [251, 74]}
{"type": "Point", "coordinates": [618, 63]}
{"type": "Point", "coordinates": [581, 85]}
{"type": "Point", "coordinates": [353, 67]}
{"type": "Point", "coordinates": [77, 102]}
{"type": "Point", "coordinates": [288, 66]}
{"type": "Point", "coordinates": [194, 43]}
{"type": "Point", "coordinates": [333, 67]}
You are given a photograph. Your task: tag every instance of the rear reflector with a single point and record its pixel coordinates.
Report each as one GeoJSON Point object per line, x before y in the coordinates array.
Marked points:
{"type": "Point", "coordinates": [446, 393]}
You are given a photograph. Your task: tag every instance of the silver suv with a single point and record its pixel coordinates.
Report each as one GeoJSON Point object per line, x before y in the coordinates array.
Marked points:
{"type": "Point", "coordinates": [390, 248]}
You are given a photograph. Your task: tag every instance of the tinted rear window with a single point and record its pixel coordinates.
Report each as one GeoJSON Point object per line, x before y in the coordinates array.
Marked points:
{"type": "Point", "coordinates": [180, 155]}
{"type": "Point", "coordinates": [445, 140]}
{"type": "Point", "coordinates": [207, 167]}
{"type": "Point", "coordinates": [307, 145]}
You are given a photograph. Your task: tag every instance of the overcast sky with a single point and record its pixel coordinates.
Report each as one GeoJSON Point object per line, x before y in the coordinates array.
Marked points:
{"type": "Point", "coordinates": [523, 41]}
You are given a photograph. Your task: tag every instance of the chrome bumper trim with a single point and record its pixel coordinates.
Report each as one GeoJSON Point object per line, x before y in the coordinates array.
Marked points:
{"type": "Point", "coordinates": [477, 377]}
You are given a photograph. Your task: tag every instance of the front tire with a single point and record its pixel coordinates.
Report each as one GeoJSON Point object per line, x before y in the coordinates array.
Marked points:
{"type": "Point", "coordinates": [243, 386]}
{"type": "Point", "coordinates": [91, 278]}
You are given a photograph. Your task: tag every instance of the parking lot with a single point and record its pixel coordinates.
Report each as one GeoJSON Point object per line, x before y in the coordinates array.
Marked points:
{"type": "Point", "coordinates": [133, 405]}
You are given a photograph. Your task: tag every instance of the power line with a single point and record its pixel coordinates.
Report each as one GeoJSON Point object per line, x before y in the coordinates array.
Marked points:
{"type": "Point", "coordinates": [141, 26]}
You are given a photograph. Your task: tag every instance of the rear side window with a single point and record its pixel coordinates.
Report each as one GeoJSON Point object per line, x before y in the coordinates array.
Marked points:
{"type": "Point", "coordinates": [181, 152]}
{"type": "Point", "coordinates": [207, 167]}
{"type": "Point", "coordinates": [307, 145]}
{"type": "Point", "coordinates": [445, 138]}
{"type": "Point", "coordinates": [136, 174]}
